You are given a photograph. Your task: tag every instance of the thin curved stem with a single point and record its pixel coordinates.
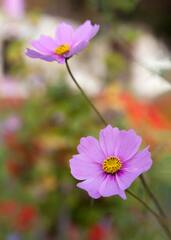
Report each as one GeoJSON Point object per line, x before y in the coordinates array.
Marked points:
{"type": "Point", "coordinates": [84, 94]}
{"type": "Point", "coordinates": [143, 203]}
{"type": "Point", "coordinates": [152, 196]}
{"type": "Point", "coordinates": [158, 217]}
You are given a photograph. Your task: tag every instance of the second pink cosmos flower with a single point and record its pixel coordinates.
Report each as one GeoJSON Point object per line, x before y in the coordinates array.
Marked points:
{"type": "Point", "coordinates": [109, 166]}
{"type": "Point", "coordinates": [65, 43]}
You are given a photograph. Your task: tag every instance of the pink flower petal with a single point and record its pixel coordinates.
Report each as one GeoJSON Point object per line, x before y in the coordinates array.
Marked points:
{"type": "Point", "coordinates": [110, 187]}
{"type": "Point", "coordinates": [82, 168]}
{"type": "Point", "coordinates": [77, 48]}
{"type": "Point", "coordinates": [44, 44]}
{"type": "Point", "coordinates": [64, 34]}
{"type": "Point", "coordinates": [125, 179]}
{"type": "Point", "coordinates": [59, 59]}
{"type": "Point", "coordinates": [33, 54]}
{"type": "Point", "coordinates": [35, 44]}
{"type": "Point", "coordinates": [108, 139]}
{"type": "Point", "coordinates": [94, 31]}
{"type": "Point", "coordinates": [85, 32]}
{"type": "Point", "coordinates": [90, 147]}
{"type": "Point", "coordinates": [134, 167]}
{"type": "Point", "coordinates": [129, 142]}
{"type": "Point", "coordinates": [141, 162]}
{"type": "Point", "coordinates": [92, 186]}
{"type": "Point", "coordinates": [48, 42]}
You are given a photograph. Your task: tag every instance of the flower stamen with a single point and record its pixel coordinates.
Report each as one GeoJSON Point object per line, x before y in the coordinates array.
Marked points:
{"type": "Point", "coordinates": [62, 49]}
{"type": "Point", "coordinates": [112, 165]}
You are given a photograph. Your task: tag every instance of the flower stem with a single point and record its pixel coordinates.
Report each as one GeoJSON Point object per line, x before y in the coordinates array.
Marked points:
{"type": "Point", "coordinates": [160, 220]}
{"type": "Point", "coordinates": [84, 94]}
{"type": "Point", "coordinates": [153, 198]}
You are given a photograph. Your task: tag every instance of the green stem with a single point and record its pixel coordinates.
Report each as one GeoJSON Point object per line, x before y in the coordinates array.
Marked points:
{"type": "Point", "coordinates": [152, 196]}
{"type": "Point", "coordinates": [160, 220]}
{"type": "Point", "coordinates": [84, 94]}
{"type": "Point", "coordinates": [163, 224]}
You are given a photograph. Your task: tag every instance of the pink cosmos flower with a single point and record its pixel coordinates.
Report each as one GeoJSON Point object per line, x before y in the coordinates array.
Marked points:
{"type": "Point", "coordinates": [108, 166]}
{"type": "Point", "coordinates": [14, 8]}
{"type": "Point", "coordinates": [65, 43]}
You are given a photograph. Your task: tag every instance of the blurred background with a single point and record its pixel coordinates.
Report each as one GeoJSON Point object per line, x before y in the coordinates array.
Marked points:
{"type": "Point", "coordinates": [126, 70]}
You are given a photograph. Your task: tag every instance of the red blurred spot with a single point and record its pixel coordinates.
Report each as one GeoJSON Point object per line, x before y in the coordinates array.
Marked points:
{"type": "Point", "coordinates": [26, 218]}
{"type": "Point", "coordinates": [97, 232]}
{"type": "Point", "coordinates": [144, 113]}
{"type": "Point", "coordinates": [20, 217]}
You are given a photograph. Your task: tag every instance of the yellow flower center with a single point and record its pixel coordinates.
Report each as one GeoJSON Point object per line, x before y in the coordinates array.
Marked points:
{"type": "Point", "coordinates": [112, 165]}
{"type": "Point", "coordinates": [62, 49]}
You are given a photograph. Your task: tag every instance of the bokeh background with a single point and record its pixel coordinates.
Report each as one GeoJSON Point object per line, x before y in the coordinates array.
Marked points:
{"type": "Point", "coordinates": [126, 70]}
